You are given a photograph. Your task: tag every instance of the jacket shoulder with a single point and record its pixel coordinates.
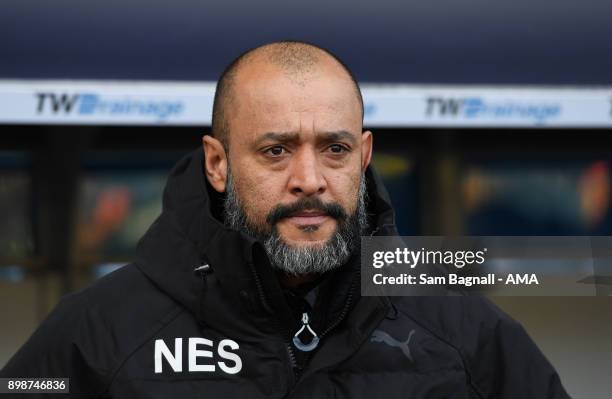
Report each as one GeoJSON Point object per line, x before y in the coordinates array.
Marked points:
{"type": "Point", "coordinates": [451, 317]}
{"type": "Point", "coordinates": [126, 299]}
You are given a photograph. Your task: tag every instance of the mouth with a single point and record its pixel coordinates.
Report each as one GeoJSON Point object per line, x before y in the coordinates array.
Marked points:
{"type": "Point", "coordinates": [308, 218]}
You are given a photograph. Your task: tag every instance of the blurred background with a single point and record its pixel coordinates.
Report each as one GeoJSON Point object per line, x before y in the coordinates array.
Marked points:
{"type": "Point", "coordinates": [490, 118]}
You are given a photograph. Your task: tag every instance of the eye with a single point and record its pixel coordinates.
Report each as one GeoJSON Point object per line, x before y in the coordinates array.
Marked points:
{"type": "Point", "coordinates": [275, 151]}
{"type": "Point", "coordinates": [337, 148]}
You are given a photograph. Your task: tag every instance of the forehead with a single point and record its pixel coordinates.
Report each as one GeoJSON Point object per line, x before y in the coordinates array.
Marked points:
{"type": "Point", "coordinates": [266, 98]}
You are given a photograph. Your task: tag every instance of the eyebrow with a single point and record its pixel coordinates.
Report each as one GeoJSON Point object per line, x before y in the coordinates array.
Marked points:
{"type": "Point", "coordinates": [285, 137]}
{"type": "Point", "coordinates": [339, 135]}
{"type": "Point", "coordinates": [282, 137]}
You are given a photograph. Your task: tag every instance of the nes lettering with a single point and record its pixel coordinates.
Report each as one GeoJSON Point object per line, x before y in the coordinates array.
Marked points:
{"type": "Point", "coordinates": [200, 355]}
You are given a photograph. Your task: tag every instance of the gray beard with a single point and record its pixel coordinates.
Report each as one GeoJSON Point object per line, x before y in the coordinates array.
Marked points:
{"type": "Point", "coordinates": [318, 258]}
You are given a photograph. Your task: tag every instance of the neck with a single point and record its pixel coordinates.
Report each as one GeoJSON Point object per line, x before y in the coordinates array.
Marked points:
{"type": "Point", "coordinates": [289, 281]}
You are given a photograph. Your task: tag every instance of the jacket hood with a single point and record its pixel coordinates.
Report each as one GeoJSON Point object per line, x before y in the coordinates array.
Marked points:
{"type": "Point", "coordinates": [189, 233]}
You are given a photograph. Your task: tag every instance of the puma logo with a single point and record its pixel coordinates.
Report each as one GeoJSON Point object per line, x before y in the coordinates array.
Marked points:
{"type": "Point", "coordinates": [381, 336]}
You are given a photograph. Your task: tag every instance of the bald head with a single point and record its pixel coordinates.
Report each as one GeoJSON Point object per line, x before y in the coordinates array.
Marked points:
{"type": "Point", "coordinates": [288, 127]}
{"type": "Point", "coordinates": [297, 61]}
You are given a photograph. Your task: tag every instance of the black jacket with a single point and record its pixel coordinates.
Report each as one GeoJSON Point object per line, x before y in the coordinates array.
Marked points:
{"type": "Point", "coordinates": [159, 328]}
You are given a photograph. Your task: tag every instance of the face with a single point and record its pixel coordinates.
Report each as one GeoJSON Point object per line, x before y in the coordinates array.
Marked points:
{"type": "Point", "coordinates": [296, 151]}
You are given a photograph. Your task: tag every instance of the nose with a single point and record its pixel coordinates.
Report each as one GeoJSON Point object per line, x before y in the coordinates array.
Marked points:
{"type": "Point", "coordinates": [306, 174]}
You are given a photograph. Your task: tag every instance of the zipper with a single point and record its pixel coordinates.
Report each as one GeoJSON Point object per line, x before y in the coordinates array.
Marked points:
{"type": "Point", "coordinates": [332, 326]}
{"type": "Point", "coordinates": [296, 368]}
{"type": "Point", "coordinates": [292, 358]}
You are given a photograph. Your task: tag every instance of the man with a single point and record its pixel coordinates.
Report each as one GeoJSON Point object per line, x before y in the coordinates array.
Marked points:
{"type": "Point", "coordinates": [247, 285]}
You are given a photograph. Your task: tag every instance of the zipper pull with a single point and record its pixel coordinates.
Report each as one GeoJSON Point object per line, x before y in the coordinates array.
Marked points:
{"type": "Point", "coordinates": [297, 341]}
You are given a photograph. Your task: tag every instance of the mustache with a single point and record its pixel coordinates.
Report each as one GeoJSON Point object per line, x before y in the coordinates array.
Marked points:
{"type": "Point", "coordinates": [282, 211]}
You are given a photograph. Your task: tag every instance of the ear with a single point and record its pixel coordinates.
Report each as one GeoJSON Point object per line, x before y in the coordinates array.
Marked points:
{"type": "Point", "coordinates": [366, 149]}
{"type": "Point", "coordinates": [215, 162]}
